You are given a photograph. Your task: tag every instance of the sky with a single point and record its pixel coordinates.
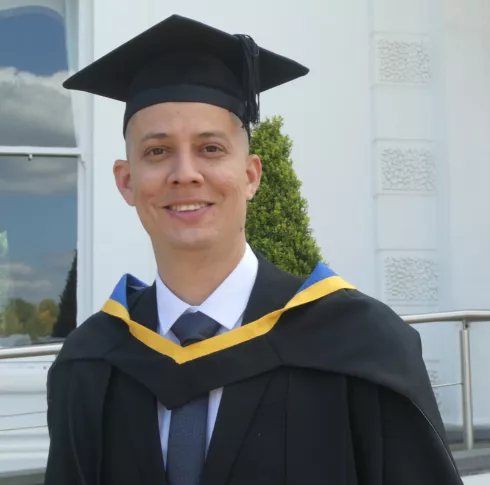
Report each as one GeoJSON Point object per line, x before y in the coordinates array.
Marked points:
{"type": "Point", "coordinates": [38, 198]}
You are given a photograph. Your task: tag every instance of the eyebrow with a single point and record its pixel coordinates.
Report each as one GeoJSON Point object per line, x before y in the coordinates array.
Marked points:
{"type": "Point", "coordinates": [206, 134]}
{"type": "Point", "coordinates": [214, 134]}
{"type": "Point", "coordinates": [154, 136]}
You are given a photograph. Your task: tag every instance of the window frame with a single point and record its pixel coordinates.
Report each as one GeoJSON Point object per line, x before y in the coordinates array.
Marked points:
{"type": "Point", "coordinates": [82, 152]}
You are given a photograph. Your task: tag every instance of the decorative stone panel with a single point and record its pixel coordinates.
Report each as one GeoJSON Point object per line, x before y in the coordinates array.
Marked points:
{"type": "Point", "coordinates": [407, 169]}
{"type": "Point", "coordinates": [404, 61]}
{"type": "Point", "coordinates": [411, 279]}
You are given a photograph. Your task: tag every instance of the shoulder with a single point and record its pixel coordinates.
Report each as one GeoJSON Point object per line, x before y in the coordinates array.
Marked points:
{"type": "Point", "coordinates": [354, 334]}
{"type": "Point", "coordinates": [369, 316]}
{"type": "Point", "coordinates": [97, 335]}
{"type": "Point", "coordinates": [351, 333]}
{"type": "Point", "coordinates": [93, 338]}
{"type": "Point", "coordinates": [84, 349]}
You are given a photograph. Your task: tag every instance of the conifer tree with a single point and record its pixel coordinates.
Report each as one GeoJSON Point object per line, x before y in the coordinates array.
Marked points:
{"type": "Point", "coordinates": [278, 225]}
{"type": "Point", "coordinates": [67, 319]}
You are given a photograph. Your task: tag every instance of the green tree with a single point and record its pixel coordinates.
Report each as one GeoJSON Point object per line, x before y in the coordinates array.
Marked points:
{"type": "Point", "coordinates": [67, 318]}
{"type": "Point", "coordinates": [48, 312]}
{"type": "Point", "coordinates": [20, 317]}
{"type": "Point", "coordinates": [278, 225]}
{"type": "Point", "coordinates": [10, 322]}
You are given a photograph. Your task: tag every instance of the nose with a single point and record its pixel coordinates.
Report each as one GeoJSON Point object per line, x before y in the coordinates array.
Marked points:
{"type": "Point", "coordinates": [185, 170]}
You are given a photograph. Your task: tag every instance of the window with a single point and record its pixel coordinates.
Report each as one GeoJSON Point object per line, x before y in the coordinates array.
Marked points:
{"type": "Point", "coordinates": [39, 169]}
{"type": "Point", "coordinates": [35, 110]}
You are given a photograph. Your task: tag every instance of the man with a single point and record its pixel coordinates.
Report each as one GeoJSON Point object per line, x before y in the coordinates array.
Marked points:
{"type": "Point", "coordinates": [227, 370]}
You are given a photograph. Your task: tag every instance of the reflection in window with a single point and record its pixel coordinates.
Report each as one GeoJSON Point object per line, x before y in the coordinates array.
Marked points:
{"type": "Point", "coordinates": [38, 235]}
{"type": "Point", "coordinates": [35, 110]}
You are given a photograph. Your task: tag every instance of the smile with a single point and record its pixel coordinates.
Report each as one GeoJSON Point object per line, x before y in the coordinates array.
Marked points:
{"type": "Point", "coordinates": [187, 207]}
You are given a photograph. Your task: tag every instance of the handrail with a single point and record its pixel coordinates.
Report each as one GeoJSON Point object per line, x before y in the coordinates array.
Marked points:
{"type": "Point", "coordinates": [455, 316]}
{"type": "Point", "coordinates": [465, 317]}
{"type": "Point", "coordinates": [30, 351]}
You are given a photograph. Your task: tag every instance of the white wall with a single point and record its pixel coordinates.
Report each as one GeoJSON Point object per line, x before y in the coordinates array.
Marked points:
{"type": "Point", "coordinates": [477, 480]}
{"type": "Point", "coordinates": [24, 439]}
{"type": "Point", "coordinates": [403, 155]}
{"type": "Point", "coordinates": [461, 51]}
{"type": "Point", "coordinates": [431, 109]}
{"type": "Point", "coordinates": [467, 113]}
{"type": "Point", "coordinates": [120, 244]}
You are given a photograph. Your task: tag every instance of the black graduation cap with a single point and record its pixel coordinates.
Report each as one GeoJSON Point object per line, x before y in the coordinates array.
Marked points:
{"type": "Point", "coordinates": [180, 59]}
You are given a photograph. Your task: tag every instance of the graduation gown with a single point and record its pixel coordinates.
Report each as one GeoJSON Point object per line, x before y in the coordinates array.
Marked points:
{"type": "Point", "coordinates": [335, 391]}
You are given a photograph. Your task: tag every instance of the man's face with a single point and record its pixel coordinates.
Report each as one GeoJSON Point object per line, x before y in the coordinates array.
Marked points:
{"type": "Point", "coordinates": [189, 175]}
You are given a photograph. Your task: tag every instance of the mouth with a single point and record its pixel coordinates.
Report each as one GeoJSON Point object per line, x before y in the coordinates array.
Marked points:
{"type": "Point", "coordinates": [188, 207]}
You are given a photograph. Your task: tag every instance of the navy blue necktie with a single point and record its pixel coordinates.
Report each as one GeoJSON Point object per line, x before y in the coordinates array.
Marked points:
{"type": "Point", "coordinates": [187, 435]}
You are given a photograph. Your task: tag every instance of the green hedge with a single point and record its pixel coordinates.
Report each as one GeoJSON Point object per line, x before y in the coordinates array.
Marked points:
{"type": "Point", "coordinates": [277, 222]}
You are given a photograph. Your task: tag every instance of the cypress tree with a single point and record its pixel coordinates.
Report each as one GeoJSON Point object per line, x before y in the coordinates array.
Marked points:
{"type": "Point", "coordinates": [278, 225]}
{"type": "Point", "coordinates": [67, 319]}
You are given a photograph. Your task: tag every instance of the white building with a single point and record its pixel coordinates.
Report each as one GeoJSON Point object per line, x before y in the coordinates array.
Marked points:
{"type": "Point", "coordinates": [391, 142]}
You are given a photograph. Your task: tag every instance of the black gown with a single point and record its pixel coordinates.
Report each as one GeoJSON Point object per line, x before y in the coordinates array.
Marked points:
{"type": "Point", "coordinates": [335, 393]}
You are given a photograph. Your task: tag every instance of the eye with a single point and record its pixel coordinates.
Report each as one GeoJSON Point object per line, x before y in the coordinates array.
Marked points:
{"type": "Point", "coordinates": [213, 149]}
{"type": "Point", "coordinates": [157, 151]}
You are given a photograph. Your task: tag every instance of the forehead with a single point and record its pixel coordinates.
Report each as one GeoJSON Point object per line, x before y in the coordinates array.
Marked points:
{"type": "Point", "coordinates": [177, 119]}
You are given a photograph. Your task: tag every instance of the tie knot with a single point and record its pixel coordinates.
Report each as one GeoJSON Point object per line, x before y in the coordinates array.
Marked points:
{"type": "Point", "coordinates": [194, 327]}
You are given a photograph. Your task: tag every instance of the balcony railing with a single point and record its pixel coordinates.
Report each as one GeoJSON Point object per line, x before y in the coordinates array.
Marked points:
{"type": "Point", "coordinates": [465, 317]}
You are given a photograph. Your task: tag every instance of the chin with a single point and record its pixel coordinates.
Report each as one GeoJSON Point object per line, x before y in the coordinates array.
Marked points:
{"type": "Point", "coordinates": [194, 243]}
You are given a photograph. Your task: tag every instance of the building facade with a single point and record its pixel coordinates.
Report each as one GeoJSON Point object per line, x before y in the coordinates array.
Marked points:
{"type": "Point", "coordinates": [391, 143]}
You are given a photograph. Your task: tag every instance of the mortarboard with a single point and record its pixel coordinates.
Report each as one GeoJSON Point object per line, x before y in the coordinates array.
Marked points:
{"type": "Point", "coordinates": [182, 60]}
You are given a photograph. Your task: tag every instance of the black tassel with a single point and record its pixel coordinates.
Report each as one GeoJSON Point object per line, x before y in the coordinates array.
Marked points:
{"type": "Point", "coordinates": [251, 79]}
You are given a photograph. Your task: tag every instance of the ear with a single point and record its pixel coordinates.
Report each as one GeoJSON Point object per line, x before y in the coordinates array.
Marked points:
{"type": "Point", "coordinates": [254, 174]}
{"type": "Point", "coordinates": [122, 175]}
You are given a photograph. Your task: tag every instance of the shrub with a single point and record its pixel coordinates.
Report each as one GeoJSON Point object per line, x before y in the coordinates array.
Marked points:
{"type": "Point", "coordinates": [278, 225]}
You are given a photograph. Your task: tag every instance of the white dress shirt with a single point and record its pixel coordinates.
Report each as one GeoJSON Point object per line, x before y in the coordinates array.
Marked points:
{"type": "Point", "coordinates": [226, 305]}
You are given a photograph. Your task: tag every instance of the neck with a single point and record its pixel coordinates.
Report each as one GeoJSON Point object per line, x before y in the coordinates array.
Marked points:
{"type": "Point", "coordinates": [194, 275]}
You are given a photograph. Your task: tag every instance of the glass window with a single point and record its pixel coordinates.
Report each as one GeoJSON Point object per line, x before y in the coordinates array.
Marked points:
{"type": "Point", "coordinates": [35, 110]}
{"type": "Point", "coordinates": [38, 236]}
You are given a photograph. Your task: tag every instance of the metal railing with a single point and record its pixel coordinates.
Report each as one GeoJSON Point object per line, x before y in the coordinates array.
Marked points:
{"type": "Point", "coordinates": [465, 317]}
{"type": "Point", "coordinates": [40, 350]}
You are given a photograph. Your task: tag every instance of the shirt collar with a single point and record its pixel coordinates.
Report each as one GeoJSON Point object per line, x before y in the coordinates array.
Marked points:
{"type": "Point", "coordinates": [225, 305]}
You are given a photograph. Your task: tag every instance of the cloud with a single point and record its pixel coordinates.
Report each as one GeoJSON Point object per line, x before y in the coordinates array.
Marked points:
{"type": "Point", "coordinates": [19, 280]}
{"type": "Point", "coordinates": [17, 270]}
{"type": "Point", "coordinates": [40, 176]}
{"type": "Point", "coordinates": [35, 110]}
{"type": "Point", "coordinates": [30, 286]}
{"type": "Point", "coordinates": [34, 282]}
